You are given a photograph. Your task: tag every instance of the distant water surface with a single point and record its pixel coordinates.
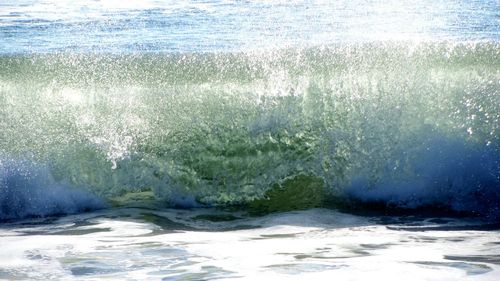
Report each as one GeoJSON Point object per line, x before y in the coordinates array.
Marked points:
{"type": "Point", "coordinates": [35, 26]}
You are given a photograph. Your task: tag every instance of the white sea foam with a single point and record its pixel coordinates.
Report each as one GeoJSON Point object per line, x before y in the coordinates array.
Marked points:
{"type": "Point", "coordinates": [317, 244]}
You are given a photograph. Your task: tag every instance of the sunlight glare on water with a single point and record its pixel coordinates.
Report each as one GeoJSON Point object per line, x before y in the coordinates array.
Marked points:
{"type": "Point", "coordinates": [207, 26]}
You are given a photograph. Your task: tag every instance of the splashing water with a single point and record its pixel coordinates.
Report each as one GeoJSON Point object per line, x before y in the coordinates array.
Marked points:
{"type": "Point", "coordinates": [224, 128]}
{"type": "Point", "coordinates": [223, 103]}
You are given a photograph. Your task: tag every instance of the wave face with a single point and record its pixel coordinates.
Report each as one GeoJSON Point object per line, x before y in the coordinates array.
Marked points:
{"type": "Point", "coordinates": [407, 124]}
{"type": "Point", "coordinates": [28, 190]}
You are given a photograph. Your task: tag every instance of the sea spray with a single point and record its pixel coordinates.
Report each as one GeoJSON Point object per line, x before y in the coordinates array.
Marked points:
{"type": "Point", "coordinates": [226, 128]}
{"type": "Point", "coordinates": [27, 190]}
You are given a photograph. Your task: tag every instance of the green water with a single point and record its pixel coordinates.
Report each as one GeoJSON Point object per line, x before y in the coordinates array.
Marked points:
{"type": "Point", "coordinates": [232, 128]}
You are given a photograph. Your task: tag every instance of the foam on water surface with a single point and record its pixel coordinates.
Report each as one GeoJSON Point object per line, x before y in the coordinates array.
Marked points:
{"type": "Point", "coordinates": [318, 243]}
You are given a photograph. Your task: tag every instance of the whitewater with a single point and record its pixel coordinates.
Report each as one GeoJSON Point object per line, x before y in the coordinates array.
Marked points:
{"type": "Point", "coordinates": [152, 140]}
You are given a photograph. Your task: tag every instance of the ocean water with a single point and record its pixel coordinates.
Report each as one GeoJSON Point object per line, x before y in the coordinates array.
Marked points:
{"type": "Point", "coordinates": [207, 244]}
{"type": "Point", "coordinates": [156, 140]}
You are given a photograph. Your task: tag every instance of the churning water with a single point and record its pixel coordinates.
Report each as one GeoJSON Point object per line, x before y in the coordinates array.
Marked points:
{"type": "Point", "coordinates": [252, 105]}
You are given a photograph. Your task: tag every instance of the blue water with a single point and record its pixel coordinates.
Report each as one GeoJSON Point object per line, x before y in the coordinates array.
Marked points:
{"type": "Point", "coordinates": [30, 26]}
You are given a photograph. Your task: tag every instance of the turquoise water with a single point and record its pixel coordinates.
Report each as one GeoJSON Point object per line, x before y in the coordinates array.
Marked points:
{"type": "Point", "coordinates": [220, 103]}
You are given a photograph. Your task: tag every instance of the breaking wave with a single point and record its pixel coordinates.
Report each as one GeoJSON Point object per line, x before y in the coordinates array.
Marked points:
{"type": "Point", "coordinates": [406, 124]}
